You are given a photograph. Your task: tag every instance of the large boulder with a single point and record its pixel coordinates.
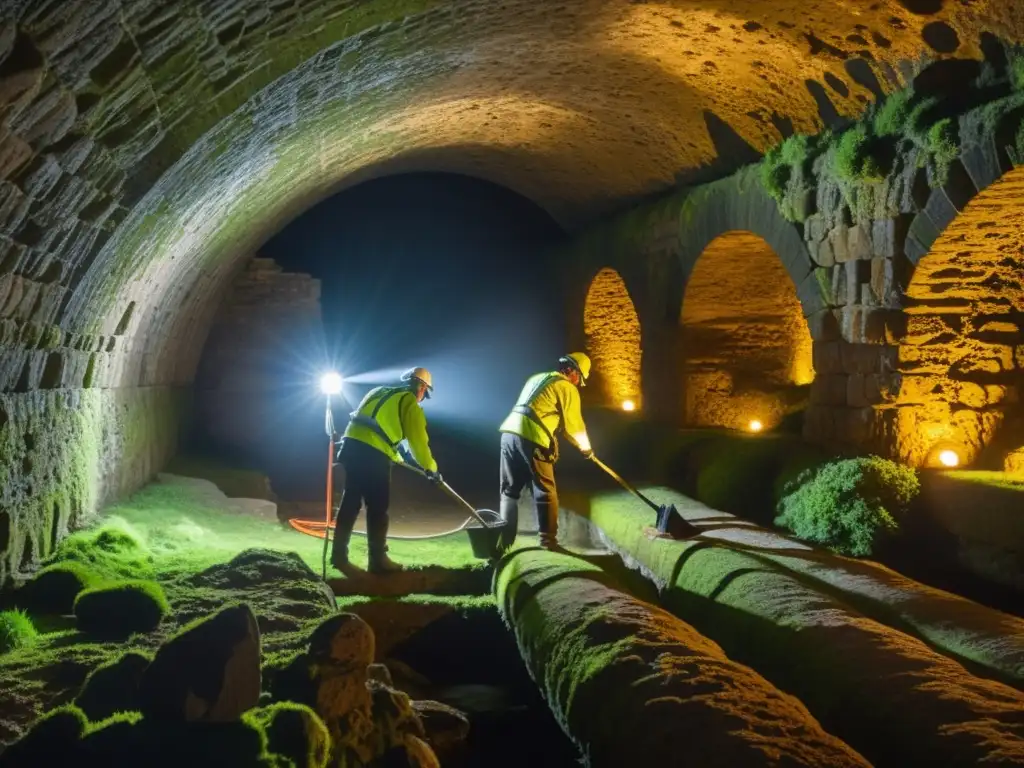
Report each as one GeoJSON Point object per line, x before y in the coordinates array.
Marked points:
{"type": "Point", "coordinates": [210, 672]}
{"type": "Point", "coordinates": [113, 687]}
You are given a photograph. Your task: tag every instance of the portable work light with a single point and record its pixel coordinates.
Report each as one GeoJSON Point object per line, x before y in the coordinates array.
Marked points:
{"type": "Point", "coordinates": [330, 383]}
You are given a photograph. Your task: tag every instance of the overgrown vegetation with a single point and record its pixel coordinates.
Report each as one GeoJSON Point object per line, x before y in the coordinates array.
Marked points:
{"type": "Point", "coordinates": [849, 506]}
{"type": "Point", "coordinates": [923, 123]}
{"type": "Point", "coordinates": [16, 630]}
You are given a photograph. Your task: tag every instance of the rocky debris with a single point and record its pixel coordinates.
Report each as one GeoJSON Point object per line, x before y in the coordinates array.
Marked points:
{"type": "Point", "coordinates": [282, 590]}
{"type": "Point", "coordinates": [113, 687]}
{"type": "Point", "coordinates": [445, 726]}
{"type": "Point", "coordinates": [368, 719]}
{"type": "Point", "coordinates": [381, 674]}
{"type": "Point", "coordinates": [209, 673]}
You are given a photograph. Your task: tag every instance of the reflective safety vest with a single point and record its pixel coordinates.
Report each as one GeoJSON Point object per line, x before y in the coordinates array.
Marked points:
{"type": "Point", "coordinates": [549, 402]}
{"type": "Point", "coordinates": [386, 417]}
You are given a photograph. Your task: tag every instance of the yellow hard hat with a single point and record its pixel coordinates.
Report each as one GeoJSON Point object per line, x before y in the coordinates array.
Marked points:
{"type": "Point", "coordinates": [580, 362]}
{"type": "Point", "coordinates": [420, 374]}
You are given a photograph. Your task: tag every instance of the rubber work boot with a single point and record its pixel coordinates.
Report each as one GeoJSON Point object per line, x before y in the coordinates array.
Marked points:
{"type": "Point", "coordinates": [549, 541]}
{"type": "Point", "coordinates": [339, 553]}
{"type": "Point", "coordinates": [379, 562]}
{"type": "Point", "coordinates": [510, 517]}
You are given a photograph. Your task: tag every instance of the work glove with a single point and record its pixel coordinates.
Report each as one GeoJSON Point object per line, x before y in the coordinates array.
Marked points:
{"type": "Point", "coordinates": [435, 477]}
{"type": "Point", "coordinates": [588, 455]}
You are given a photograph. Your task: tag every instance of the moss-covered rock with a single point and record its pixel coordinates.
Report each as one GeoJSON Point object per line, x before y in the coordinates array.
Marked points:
{"type": "Point", "coordinates": [53, 589]}
{"type": "Point", "coordinates": [623, 677]}
{"type": "Point", "coordinates": [120, 609]}
{"type": "Point", "coordinates": [55, 739]}
{"type": "Point", "coordinates": [113, 687]}
{"type": "Point", "coordinates": [296, 732]}
{"type": "Point", "coordinates": [16, 630]}
{"type": "Point", "coordinates": [209, 672]}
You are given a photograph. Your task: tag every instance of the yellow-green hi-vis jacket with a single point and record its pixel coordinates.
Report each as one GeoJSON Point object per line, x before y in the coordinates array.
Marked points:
{"type": "Point", "coordinates": [548, 402]}
{"type": "Point", "coordinates": [388, 415]}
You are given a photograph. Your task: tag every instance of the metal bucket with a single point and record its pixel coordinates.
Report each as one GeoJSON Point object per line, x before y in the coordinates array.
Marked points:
{"type": "Point", "coordinates": [484, 541]}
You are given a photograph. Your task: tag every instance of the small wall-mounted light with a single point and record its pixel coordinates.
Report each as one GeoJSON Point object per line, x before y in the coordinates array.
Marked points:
{"type": "Point", "coordinates": [949, 458]}
{"type": "Point", "coordinates": [755, 425]}
{"type": "Point", "coordinates": [628, 405]}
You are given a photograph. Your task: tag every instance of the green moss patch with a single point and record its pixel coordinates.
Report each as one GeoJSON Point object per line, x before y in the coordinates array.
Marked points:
{"type": "Point", "coordinates": [16, 630]}
{"type": "Point", "coordinates": [121, 609]}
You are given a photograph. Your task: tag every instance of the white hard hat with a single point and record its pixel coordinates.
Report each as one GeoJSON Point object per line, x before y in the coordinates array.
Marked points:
{"type": "Point", "coordinates": [420, 374]}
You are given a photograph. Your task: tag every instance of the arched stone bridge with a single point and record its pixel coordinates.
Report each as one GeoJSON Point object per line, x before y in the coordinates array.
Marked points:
{"type": "Point", "coordinates": [906, 326]}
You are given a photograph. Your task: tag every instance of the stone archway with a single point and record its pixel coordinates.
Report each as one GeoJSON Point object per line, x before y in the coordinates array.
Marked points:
{"type": "Point", "coordinates": [612, 331]}
{"type": "Point", "coordinates": [745, 344]}
{"type": "Point", "coordinates": [962, 357]}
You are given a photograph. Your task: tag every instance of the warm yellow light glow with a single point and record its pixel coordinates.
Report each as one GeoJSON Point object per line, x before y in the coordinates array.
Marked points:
{"type": "Point", "coordinates": [755, 426]}
{"type": "Point", "coordinates": [949, 458]}
{"type": "Point", "coordinates": [628, 405]}
{"type": "Point", "coordinates": [582, 441]}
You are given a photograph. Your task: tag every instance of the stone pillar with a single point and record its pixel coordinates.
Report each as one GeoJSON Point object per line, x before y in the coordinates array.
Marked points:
{"type": "Point", "coordinates": [256, 397]}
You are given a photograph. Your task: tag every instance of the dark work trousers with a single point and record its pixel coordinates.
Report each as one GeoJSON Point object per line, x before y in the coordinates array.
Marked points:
{"type": "Point", "coordinates": [367, 479]}
{"type": "Point", "coordinates": [522, 462]}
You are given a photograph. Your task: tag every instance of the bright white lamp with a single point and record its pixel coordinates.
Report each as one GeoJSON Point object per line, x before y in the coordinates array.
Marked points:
{"type": "Point", "coordinates": [330, 383]}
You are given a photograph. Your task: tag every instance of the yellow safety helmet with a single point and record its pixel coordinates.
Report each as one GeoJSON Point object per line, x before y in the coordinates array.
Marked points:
{"type": "Point", "coordinates": [580, 362]}
{"type": "Point", "coordinates": [420, 374]}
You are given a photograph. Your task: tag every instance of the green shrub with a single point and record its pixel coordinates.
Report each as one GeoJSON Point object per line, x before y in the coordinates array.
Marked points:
{"type": "Point", "coordinates": [849, 506]}
{"type": "Point", "coordinates": [53, 590]}
{"type": "Point", "coordinates": [16, 630]}
{"type": "Point", "coordinates": [855, 158]}
{"type": "Point", "coordinates": [943, 145]}
{"type": "Point", "coordinates": [893, 115]}
{"type": "Point", "coordinates": [122, 608]}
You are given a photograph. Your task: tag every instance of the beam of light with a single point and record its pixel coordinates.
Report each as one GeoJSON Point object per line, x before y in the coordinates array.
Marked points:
{"type": "Point", "coordinates": [628, 405]}
{"type": "Point", "coordinates": [755, 425]}
{"type": "Point", "coordinates": [376, 378]}
{"type": "Point", "coordinates": [949, 458]}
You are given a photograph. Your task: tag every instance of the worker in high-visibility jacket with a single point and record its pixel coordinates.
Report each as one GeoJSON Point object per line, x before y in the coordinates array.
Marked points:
{"type": "Point", "coordinates": [372, 443]}
{"type": "Point", "coordinates": [548, 404]}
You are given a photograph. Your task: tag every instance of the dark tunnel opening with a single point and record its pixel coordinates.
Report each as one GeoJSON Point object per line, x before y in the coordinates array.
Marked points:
{"type": "Point", "coordinates": [440, 270]}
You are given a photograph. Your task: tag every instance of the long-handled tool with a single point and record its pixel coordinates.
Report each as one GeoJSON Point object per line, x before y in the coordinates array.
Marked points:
{"type": "Point", "coordinates": [668, 521]}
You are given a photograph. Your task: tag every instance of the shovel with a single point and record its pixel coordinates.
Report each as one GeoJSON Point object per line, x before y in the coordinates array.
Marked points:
{"type": "Point", "coordinates": [668, 520]}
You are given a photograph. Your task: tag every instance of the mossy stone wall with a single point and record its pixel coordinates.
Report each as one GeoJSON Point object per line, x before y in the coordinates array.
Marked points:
{"type": "Point", "coordinates": [901, 233]}
{"type": "Point", "coordinates": [64, 453]}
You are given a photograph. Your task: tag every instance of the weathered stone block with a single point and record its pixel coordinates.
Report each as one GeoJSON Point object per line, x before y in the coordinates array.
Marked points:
{"type": "Point", "coordinates": [838, 239]}
{"type": "Point", "coordinates": [827, 357]}
{"type": "Point", "coordinates": [858, 242]}
{"type": "Point", "coordinates": [823, 326]}
{"type": "Point", "coordinates": [829, 389]}
{"type": "Point", "coordinates": [856, 390]}
{"type": "Point", "coordinates": [861, 358]}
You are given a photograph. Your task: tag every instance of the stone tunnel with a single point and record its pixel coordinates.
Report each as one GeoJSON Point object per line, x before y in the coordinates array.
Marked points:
{"type": "Point", "coordinates": [806, 215]}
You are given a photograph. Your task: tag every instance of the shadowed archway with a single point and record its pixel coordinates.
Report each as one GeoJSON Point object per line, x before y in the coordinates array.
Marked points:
{"type": "Point", "coordinates": [612, 330]}
{"type": "Point", "coordinates": [745, 344]}
{"type": "Point", "coordinates": [961, 358]}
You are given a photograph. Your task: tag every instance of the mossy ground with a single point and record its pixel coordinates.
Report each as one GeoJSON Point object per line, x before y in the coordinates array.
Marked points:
{"type": "Point", "coordinates": [172, 533]}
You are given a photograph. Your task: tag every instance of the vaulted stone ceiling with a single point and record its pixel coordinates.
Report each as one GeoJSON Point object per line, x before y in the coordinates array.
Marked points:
{"type": "Point", "coordinates": [148, 146]}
